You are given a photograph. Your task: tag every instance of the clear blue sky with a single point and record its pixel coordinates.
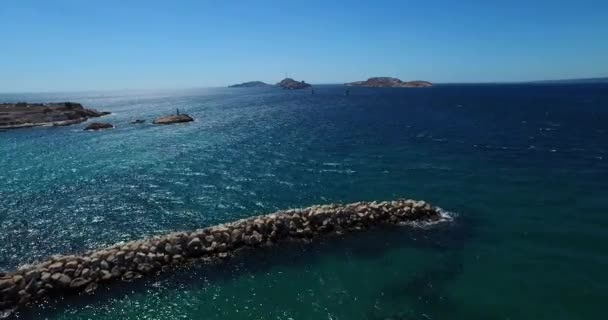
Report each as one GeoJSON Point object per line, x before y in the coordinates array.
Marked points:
{"type": "Point", "coordinates": [57, 45]}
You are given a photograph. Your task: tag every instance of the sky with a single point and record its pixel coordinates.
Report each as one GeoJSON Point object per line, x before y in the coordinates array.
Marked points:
{"type": "Point", "coordinates": [71, 45]}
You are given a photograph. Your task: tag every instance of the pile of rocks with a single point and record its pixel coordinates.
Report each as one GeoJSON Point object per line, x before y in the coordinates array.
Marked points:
{"type": "Point", "coordinates": [126, 261]}
{"type": "Point", "coordinates": [99, 126]}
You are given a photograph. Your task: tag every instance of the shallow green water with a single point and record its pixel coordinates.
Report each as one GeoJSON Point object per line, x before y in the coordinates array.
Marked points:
{"type": "Point", "coordinates": [523, 169]}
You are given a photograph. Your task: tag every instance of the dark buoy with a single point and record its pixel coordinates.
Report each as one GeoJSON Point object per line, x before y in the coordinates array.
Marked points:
{"type": "Point", "coordinates": [312, 91]}
{"type": "Point", "coordinates": [347, 92]}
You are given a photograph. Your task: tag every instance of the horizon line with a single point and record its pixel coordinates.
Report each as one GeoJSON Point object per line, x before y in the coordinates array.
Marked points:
{"type": "Point", "coordinates": [546, 81]}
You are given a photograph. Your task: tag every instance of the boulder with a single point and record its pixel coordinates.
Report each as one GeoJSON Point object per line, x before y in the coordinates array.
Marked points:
{"type": "Point", "coordinates": [79, 282]}
{"type": "Point", "coordinates": [56, 266]}
{"type": "Point", "coordinates": [61, 279]}
{"type": "Point", "coordinates": [6, 283]}
{"type": "Point", "coordinates": [91, 287]}
{"type": "Point", "coordinates": [195, 244]}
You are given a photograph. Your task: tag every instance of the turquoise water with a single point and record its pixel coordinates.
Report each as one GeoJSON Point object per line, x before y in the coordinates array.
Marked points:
{"type": "Point", "coordinates": [524, 168]}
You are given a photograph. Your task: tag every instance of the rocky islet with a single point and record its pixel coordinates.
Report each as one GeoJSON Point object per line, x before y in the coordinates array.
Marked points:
{"type": "Point", "coordinates": [291, 84]}
{"type": "Point", "coordinates": [170, 119]}
{"type": "Point", "coordinates": [388, 82]}
{"type": "Point", "coordinates": [251, 84]}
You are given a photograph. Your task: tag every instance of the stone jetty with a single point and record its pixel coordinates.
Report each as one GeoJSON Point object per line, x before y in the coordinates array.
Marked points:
{"type": "Point", "coordinates": [83, 273]}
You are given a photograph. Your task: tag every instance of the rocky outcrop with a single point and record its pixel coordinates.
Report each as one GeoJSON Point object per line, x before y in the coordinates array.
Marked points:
{"type": "Point", "coordinates": [126, 261]}
{"type": "Point", "coordinates": [99, 126]}
{"type": "Point", "coordinates": [177, 118]}
{"type": "Point", "coordinates": [388, 82]}
{"type": "Point", "coordinates": [23, 115]}
{"type": "Point", "coordinates": [291, 84]}
{"type": "Point", "coordinates": [250, 84]}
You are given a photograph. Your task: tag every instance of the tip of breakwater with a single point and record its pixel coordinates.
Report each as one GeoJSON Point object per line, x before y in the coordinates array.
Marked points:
{"type": "Point", "coordinates": [444, 216]}
{"type": "Point", "coordinates": [126, 261]}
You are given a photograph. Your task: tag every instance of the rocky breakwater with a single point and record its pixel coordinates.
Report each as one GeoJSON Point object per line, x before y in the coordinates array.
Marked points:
{"type": "Point", "coordinates": [23, 115]}
{"type": "Point", "coordinates": [126, 261]}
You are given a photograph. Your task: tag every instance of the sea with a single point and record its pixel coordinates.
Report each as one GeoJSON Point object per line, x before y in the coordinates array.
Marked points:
{"type": "Point", "coordinates": [522, 170]}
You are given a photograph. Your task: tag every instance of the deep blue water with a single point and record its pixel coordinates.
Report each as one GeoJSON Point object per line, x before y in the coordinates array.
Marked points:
{"type": "Point", "coordinates": [523, 167]}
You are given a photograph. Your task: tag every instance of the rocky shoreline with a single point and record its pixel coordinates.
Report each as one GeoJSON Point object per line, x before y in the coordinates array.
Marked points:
{"type": "Point", "coordinates": [25, 115]}
{"type": "Point", "coordinates": [62, 274]}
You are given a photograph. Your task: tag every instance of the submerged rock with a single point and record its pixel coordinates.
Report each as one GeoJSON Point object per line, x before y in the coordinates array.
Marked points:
{"type": "Point", "coordinates": [177, 118]}
{"type": "Point", "coordinates": [99, 126]}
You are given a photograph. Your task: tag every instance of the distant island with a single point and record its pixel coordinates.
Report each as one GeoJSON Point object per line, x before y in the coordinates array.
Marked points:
{"type": "Point", "coordinates": [584, 80]}
{"type": "Point", "coordinates": [23, 114]}
{"type": "Point", "coordinates": [251, 84]}
{"type": "Point", "coordinates": [388, 82]}
{"type": "Point", "coordinates": [287, 84]}
{"type": "Point", "coordinates": [291, 84]}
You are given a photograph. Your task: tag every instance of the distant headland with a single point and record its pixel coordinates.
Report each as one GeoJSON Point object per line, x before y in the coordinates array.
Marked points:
{"type": "Point", "coordinates": [287, 84]}
{"type": "Point", "coordinates": [574, 81]}
{"type": "Point", "coordinates": [251, 84]}
{"type": "Point", "coordinates": [388, 82]}
{"type": "Point", "coordinates": [24, 115]}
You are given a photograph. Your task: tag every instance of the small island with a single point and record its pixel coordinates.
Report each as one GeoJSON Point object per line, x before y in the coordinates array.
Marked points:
{"type": "Point", "coordinates": [24, 115]}
{"type": "Point", "coordinates": [291, 84]}
{"type": "Point", "coordinates": [176, 118]}
{"type": "Point", "coordinates": [251, 84]}
{"type": "Point", "coordinates": [388, 82]}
